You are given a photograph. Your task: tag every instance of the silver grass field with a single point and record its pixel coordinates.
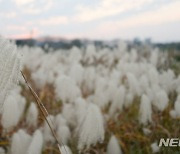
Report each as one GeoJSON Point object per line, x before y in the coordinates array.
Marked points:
{"type": "Point", "coordinates": [90, 101]}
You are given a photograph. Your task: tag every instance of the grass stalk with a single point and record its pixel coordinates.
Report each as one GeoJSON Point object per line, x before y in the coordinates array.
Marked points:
{"type": "Point", "coordinates": [43, 110]}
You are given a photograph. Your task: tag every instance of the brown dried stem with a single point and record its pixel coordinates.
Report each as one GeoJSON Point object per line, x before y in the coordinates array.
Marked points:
{"type": "Point", "coordinates": [43, 110]}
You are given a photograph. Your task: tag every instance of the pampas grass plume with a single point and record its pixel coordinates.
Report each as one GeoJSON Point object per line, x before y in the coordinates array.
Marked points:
{"type": "Point", "coordinates": [118, 100]}
{"type": "Point", "coordinates": [32, 115]}
{"type": "Point", "coordinates": [60, 120]}
{"type": "Point", "coordinates": [9, 67]}
{"type": "Point", "coordinates": [66, 89]}
{"type": "Point", "coordinates": [175, 113]}
{"type": "Point", "coordinates": [65, 150]}
{"type": "Point", "coordinates": [11, 113]}
{"type": "Point", "coordinates": [92, 128]}
{"type": "Point", "coordinates": [113, 146]}
{"type": "Point", "coordinates": [47, 134]}
{"type": "Point", "coordinates": [145, 110]}
{"type": "Point", "coordinates": [19, 138]}
{"type": "Point", "coordinates": [80, 109]}
{"type": "Point", "coordinates": [36, 144]}
{"type": "Point", "coordinates": [161, 100]}
{"type": "Point", "coordinates": [155, 148]}
{"type": "Point", "coordinates": [63, 134]}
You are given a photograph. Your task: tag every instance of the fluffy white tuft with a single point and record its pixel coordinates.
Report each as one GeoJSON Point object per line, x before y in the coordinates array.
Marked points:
{"type": "Point", "coordinates": [146, 131]}
{"type": "Point", "coordinates": [9, 67]}
{"type": "Point", "coordinates": [92, 127]}
{"type": "Point", "coordinates": [145, 110]}
{"type": "Point", "coordinates": [173, 114]}
{"type": "Point", "coordinates": [144, 84]}
{"type": "Point", "coordinates": [12, 111]}
{"type": "Point", "coordinates": [128, 99]}
{"type": "Point", "coordinates": [60, 121]}
{"type": "Point", "coordinates": [20, 142]}
{"type": "Point", "coordinates": [153, 76]}
{"type": "Point", "coordinates": [133, 84]}
{"type": "Point", "coordinates": [68, 113]}
{"type": "Point", "coordinates": [177, 106]}
{"type": "Point", "coordinates": [80, 110]}
{"type": "Point", "coordinates": [76, 72]}
{"type": "Point", "coordinates": [89, 80]}
{"type": "Point", "coordinates": [113, 146]}
{"type": "Point", "coordinates": [36, 144]}
{"type": "Point", "coordinates": [155, 148]}
{"type": "Point", "coordinates": [118, 100]}
{"type": "Point", "coordinates": [32, 115]}
{"type": "Point", "coordinates": [63, 134]}
{"type": "Point", "coordinates": [66, 89]}
{"type": "Point", "coordinates": [176, 112]}
{"type": "Point", "coordinates": [47, 135]}
{"type": "Point", "coordinates": [65, 150]}
{"type": "Point", "coordinates": [161, 100]}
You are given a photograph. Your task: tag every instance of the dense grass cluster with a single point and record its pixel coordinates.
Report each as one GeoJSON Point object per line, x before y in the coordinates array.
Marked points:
{"type": "Point", "coordinates": [100, 100]}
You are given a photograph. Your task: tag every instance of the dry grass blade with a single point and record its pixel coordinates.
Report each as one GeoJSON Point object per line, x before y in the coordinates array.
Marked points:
{"type": "Point", "coordinates": [43, 111]}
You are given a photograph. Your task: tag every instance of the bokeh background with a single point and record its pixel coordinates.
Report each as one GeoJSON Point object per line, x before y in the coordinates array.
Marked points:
{"type": "Point", "coordinates": [107, 71]}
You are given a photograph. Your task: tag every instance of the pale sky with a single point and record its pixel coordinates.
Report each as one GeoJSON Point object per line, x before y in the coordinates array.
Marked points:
{"type": "Point", "coordinates": [93, 19]}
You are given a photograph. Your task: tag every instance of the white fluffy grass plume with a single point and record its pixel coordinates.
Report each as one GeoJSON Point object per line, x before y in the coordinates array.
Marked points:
{"type": "Point", "coordinates": [92, 127]}
{"type": "Point", "coordinates": [36, 144]}
{"type": "Point", "coordinates": [63, 134]}
{"type": "Point", "coordinates": [20, 142]}
{"type": "Point", "coordinates": [145, 110]}
{"type": "Point", "coordinates": [176, 112]}
{"type": "Point", "coordinates": [12, 110]}
{"type": "Point", "coordinates": [113, 146]}
{"type": "Point", "coordinates": [155, 148]}
{"type": "Point", "coordinates": [177, 106]}
{"type": "Point", "coordinates": [161, 100]}
{"type": "Point", "coordinates": [9, 67]}
{"type": "Point", "coordinates": [65, 150]}
{"type": "Point", "coordinates": [66, 89]}
{"type": "Point", "coordinates": [47, 135]}
{"type": "Point", "coordinates": [118, 100]}
{"type": "Point", "coordinates": [32, 115]}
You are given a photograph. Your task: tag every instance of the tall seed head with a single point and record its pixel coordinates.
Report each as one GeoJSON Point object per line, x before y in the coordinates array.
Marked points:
{"type": "Point", "coordinates": [9, 67]}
